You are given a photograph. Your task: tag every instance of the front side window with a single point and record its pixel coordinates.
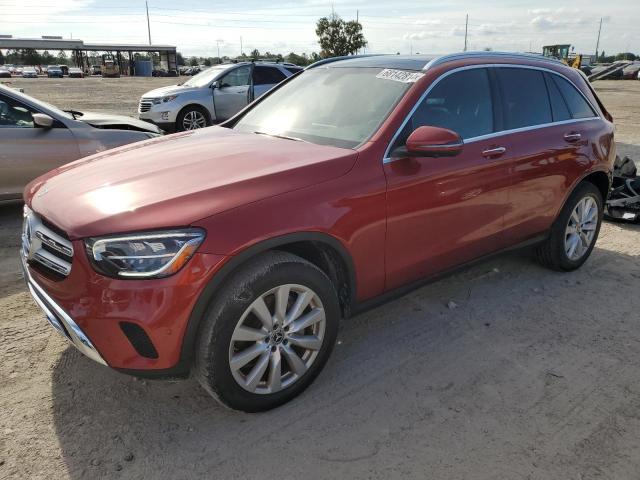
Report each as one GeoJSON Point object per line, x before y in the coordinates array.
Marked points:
{"type": "Point", "coordinates": [340, 106]}
{"type": "Point", "coordinates": [525, 101]}
{"type": "Point", "coordinates": [267, 75]}
{"type": "Point", "coordinates": [460, 102]}
{"type": "Point", "coordinates": [14, 114]}
{"type": "Point", "coordinates": [578, 106]}
{"type": "Point", "coordinates": [238, 77]}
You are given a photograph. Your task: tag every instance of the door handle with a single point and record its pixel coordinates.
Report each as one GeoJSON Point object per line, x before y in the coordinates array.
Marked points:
{"type": "Point", "coordinates": [572, 137]}
{"type": "Point", "coordinates": [494, 152]}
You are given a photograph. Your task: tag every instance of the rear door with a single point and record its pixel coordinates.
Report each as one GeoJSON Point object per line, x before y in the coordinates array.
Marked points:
{"type": "Point", "coordinates": [547, 145]}
{"type": "Point", "coordinates": [233, 92]}
{"type": "Point", "coordinates": [442, 212]}
{"type": "Point", "coordinates": [265, 78]}
{"type": "Point", "coordinates": [27, 151]}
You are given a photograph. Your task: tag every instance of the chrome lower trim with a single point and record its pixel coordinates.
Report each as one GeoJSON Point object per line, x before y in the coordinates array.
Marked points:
{"type": "Point", "coordinates": [59, 319]}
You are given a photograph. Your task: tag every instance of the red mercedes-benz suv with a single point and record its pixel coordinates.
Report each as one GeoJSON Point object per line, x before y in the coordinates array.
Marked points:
{"type": "Point", "coordinates": [233, 252]}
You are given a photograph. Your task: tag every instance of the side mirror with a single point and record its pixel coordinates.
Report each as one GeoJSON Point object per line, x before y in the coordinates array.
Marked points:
{"type": "Point", "coordinates": [215, 84]}
{"type": "Point", "coordinates": [42, 120]}
{"type": "Point", "coordinates": [429, 141]}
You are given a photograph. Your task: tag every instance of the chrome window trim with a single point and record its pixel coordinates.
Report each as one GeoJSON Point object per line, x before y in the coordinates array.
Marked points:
{"type": "Point", "coordinates": [388, 159]}
{"type": "Point", "coordinates": [462, 55]}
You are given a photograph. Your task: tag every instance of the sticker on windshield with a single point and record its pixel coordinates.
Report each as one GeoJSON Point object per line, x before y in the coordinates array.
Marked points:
{"type": "Point", "coordinates": [400, 75]}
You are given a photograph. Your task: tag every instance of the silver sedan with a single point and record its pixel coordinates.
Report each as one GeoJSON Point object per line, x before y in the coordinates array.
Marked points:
{"type": "Point", "coordinates": [36, 137]}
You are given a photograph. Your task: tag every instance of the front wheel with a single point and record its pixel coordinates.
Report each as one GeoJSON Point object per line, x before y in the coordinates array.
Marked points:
{"type": "Point", "coordinates": [192, 118]}
{"type": "Point", "coordinates": [575, 232]}
{"type": "Point", "coordinates": [268, 333]}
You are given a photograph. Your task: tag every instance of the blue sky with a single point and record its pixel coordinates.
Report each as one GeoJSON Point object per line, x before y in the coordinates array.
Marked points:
{"type": "Point", "coordinates": [281, 26]}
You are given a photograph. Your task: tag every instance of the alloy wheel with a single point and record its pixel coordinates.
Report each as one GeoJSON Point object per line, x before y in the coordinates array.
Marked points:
{"type": "Point", "coordinates": [277, 339]}
{"type": "Point", "coordinates": [193, 120]}
{"type": "Point", "coordinates": [581, 228]}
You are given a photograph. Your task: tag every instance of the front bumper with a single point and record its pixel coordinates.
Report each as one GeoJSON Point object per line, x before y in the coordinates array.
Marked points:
{"type": "Point", "coordinates": [163, 113]}
{"type": "Point", "coordinates": [59, 319]}
{"type": "Point", "coordinates": [96, 307]}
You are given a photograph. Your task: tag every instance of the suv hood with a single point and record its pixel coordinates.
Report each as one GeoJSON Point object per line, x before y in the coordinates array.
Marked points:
{"type": "Point", "coordinates": [169, 90]}
{"type": "Point", "coordinates": [121, 122]}
{"type": "Point", "coordinates": [175, 180]}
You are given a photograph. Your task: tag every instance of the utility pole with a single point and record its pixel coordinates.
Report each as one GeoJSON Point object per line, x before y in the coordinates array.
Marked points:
{"type": "Point", "coordinates": [218, 45]}
{"type": "Point", "coordinates": [598, 42]}
{"type": "Point", "coordinates": [240, 45]}
{"type": "Point", "coordinates": [148, 24]}
{"type": "Point", "coordinates": [357, 21]}
{"type": "Point", "coordinates": [466, 28]}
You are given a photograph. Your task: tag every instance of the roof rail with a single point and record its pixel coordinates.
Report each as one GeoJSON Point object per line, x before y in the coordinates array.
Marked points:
{"type": "Point", "coordinates": [457, 56]}
{"type": "Point", "coordinates": [325, 61]}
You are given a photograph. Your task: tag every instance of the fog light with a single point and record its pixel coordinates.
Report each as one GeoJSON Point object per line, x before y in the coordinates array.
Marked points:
{"type": "Point", "coordinates": [164, 115]}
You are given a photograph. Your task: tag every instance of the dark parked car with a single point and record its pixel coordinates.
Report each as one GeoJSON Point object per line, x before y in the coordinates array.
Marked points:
{"type": "Point", "coordinates": [235, 252]}
{"type": "Point", "coordinates": [54, 71]}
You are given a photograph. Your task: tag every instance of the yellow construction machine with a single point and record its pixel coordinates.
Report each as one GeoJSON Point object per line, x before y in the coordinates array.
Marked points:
{"type": "Point", "coordinates": [561, 52]}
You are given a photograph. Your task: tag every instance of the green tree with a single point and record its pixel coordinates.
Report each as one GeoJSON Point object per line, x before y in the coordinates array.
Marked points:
{"type": "Point", "coordinates": [626, 56]}
{"type": "Point", "coordinates": [179, 59]}
{"type": "Point", "coordinates": [207, 62]}
{"type": "Point", "coordinates": [46, 58]}
{"type": "Point", "coordinates": [1, 58]}
{"type": "Point", "coordinates": [337, 37]}
{"type": "Point", "coordinates": [301, 60]}
{"type": "Point", "coordinates": [30, 56]}
{"type": "Point", "coordinates": [62, 57]}
{"type": "Point", "coordinates": [255, 54]}
{"type": "Point", "coordinates": [193, 61]}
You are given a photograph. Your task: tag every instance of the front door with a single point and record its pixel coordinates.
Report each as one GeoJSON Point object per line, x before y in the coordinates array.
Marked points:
{"type": "Point", "coordinates": [27, 151]}
{"type": "Point", "coordinates": [232, 93]}
{"type": "Point", "coordinates": [442, 212]}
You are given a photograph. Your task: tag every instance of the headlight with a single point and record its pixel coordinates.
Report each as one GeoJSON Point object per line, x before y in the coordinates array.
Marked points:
{"type": "Point", "coordinates": [168, 98]}
{"type": "Point", "coordinates": [144, 255]}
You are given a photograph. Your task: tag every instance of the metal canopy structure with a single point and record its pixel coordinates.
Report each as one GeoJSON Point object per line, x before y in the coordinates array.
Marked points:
{"type": "Point", "coordinates": [79, 48]}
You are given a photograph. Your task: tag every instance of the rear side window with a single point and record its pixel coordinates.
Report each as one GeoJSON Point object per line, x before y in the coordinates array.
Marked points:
{"type": "Point", "coordinates": [460, 102]}
{"type": "Point", "coordinates": [559, 108]}
{"type": "Point", "coordinates": [578, 106]}
{"type": "Point", "coordinates": [293, 69]}
{"type": "Point", "coordinates": [267, 75]}
{"type": "Point", "coordinates": [524, 97]}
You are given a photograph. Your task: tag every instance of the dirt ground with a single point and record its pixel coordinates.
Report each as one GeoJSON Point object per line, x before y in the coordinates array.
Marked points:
{"type": "Point", "coordinates": [534, 375]}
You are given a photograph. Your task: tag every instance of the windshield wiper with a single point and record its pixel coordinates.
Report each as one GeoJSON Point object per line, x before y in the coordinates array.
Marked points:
{"type": "Point", "coordinates": [295, 139]}
{"type": "Point", "coordinates": [74, 113]}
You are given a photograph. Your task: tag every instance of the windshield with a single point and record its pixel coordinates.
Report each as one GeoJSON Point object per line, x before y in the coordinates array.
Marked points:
{"type": "Point", "coordinates": [205, 78]}
{"type": "Point", "coordinates": [40, 104]}
{"type": "Point", "coordinates": [342, 107]}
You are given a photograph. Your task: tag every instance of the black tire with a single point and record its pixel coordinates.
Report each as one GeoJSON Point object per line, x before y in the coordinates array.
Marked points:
{"type": "Point", "coordinates": [252, 280]}
{"type": "Point", "coordinates": [552, 252]}
{"type": "Point", "coordinates": [188, 110]}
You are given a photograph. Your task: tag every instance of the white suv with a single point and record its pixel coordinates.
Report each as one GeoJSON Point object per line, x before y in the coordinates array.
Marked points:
{"type": "Point", "coordinates": [212, 96]}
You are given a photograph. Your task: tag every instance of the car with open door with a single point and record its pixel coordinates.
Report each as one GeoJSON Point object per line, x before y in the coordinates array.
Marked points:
{"type": "Point", "coordinates": [36, 137]}
{"type": "Point", "coordinates": [212, 96]}
{"type": "Point", "coordinates": [234, 252]}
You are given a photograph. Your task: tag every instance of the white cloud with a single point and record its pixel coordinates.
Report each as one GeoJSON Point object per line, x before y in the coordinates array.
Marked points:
{"type": "Point", "coordinates": [420, 35]}
{"type": "Point", "coordinates": [487, 29]}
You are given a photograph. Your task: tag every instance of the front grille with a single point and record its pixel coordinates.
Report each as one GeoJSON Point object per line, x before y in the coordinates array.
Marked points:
{"type": "Point", "coordinates": [50, 250]}
{"type": "Point", "coordinates": [145, 105]}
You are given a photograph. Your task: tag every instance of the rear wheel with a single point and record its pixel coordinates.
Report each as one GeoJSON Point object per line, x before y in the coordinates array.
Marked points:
{"type": "Point", "coordinates": [192, 118]}
{"type": "Point", "coordinates": [268, 333]}
{"type": "Point", "coordinates": [575, 232]}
